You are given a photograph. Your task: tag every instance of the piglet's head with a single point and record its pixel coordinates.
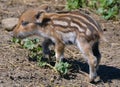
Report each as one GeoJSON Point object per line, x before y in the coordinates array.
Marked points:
{"type": "Point", "coordinates": [27, 22]}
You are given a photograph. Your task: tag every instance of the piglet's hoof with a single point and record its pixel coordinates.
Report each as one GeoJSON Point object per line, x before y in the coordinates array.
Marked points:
{"type": "Point", "coordinates": [95, 80]}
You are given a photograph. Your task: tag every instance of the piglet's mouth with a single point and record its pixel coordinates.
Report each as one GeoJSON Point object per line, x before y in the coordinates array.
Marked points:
{"type": "Point", "coordinates": [11, 34]}
{"type": "Point", "coordinates": [20, 35]}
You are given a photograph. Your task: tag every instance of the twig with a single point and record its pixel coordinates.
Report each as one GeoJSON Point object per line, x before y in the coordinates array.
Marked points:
{"type": "Point", "coordinates": [73, 54]}
{"type": "Point", "coordinates": [52, 67]}
{"type": "Point", "coordinates": [9, 46]}
{"type": "Point", "coordinates": [59, 5]}
{"type": "Point", "coordinates": [46, 65]}
{"type": "Point", "coordinates": [6, 12]}
{"type": "Point", "coordinates": [11, 63]}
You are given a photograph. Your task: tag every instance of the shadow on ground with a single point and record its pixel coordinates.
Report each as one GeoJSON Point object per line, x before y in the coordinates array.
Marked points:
{"type": "Point", "coordinates": [106, 73]}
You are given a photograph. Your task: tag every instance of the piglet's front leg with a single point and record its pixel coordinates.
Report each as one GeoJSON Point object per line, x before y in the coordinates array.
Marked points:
{"type": "Point", "coordinates": [45, 45]}
{"type": "Point", "coordinates": [59, 51]}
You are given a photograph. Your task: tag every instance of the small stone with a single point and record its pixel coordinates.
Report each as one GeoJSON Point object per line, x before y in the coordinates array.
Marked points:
{"type": "Point", "coordinates": [97, 79]}
{"type": "Point", "coordinates": [9, 23]}
{"type": "Point", "coordinates": [115, 44]}
{"type": "Point", "coordinates": [52, 79]}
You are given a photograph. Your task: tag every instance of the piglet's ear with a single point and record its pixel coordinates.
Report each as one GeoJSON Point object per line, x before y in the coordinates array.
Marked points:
{"type": "Point", "coordinates": [38, 15]}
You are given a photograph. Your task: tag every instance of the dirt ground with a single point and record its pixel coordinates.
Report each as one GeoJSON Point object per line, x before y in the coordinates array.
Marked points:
{"type": "Point", "coordinates": [17, 71]}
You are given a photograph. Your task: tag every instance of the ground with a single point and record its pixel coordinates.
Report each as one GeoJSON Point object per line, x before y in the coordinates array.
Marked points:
{"type": "Point", "coordinates": [17, 71]}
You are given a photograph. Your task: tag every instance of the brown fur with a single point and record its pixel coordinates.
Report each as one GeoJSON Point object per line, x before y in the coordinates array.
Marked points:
{"type": "Point", "coordinates": [77, 28]}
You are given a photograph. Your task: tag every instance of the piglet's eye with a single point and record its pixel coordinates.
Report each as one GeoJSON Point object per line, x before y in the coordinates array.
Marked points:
{"type": "Point", "coordinates": [24, 23]}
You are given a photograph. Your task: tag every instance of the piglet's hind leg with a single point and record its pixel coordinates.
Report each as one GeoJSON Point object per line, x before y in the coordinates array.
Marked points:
{"type": "Point", "coordinates": [86, 49]}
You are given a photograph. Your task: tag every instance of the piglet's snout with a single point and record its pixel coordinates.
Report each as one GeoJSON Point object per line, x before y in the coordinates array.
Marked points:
{"type": "Point", "coordinates": [11, 34]}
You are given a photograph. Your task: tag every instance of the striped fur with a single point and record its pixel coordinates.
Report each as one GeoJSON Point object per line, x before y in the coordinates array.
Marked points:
{"type": "Point", "coordinates": [64, 28]}
{"type": "Point", "coordinates": [77, 28]}
{"type": "Point", "coordinates": [77, 20]}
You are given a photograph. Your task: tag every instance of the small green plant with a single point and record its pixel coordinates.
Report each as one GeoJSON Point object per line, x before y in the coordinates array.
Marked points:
{"type": "Point", "coordinates": [28, 44]}
{"type": "Point", "coordinates": [35, 53]}
{"type": "Point", "coordinates": [62, 67]}
{"type": "Point", "coordinates": [16, 40]}
{"type": "Point", "coordinates": [32, 45]}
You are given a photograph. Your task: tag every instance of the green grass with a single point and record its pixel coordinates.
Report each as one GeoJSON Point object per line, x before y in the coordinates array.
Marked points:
{"type": "Point", "coordinates": [109, 9]}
